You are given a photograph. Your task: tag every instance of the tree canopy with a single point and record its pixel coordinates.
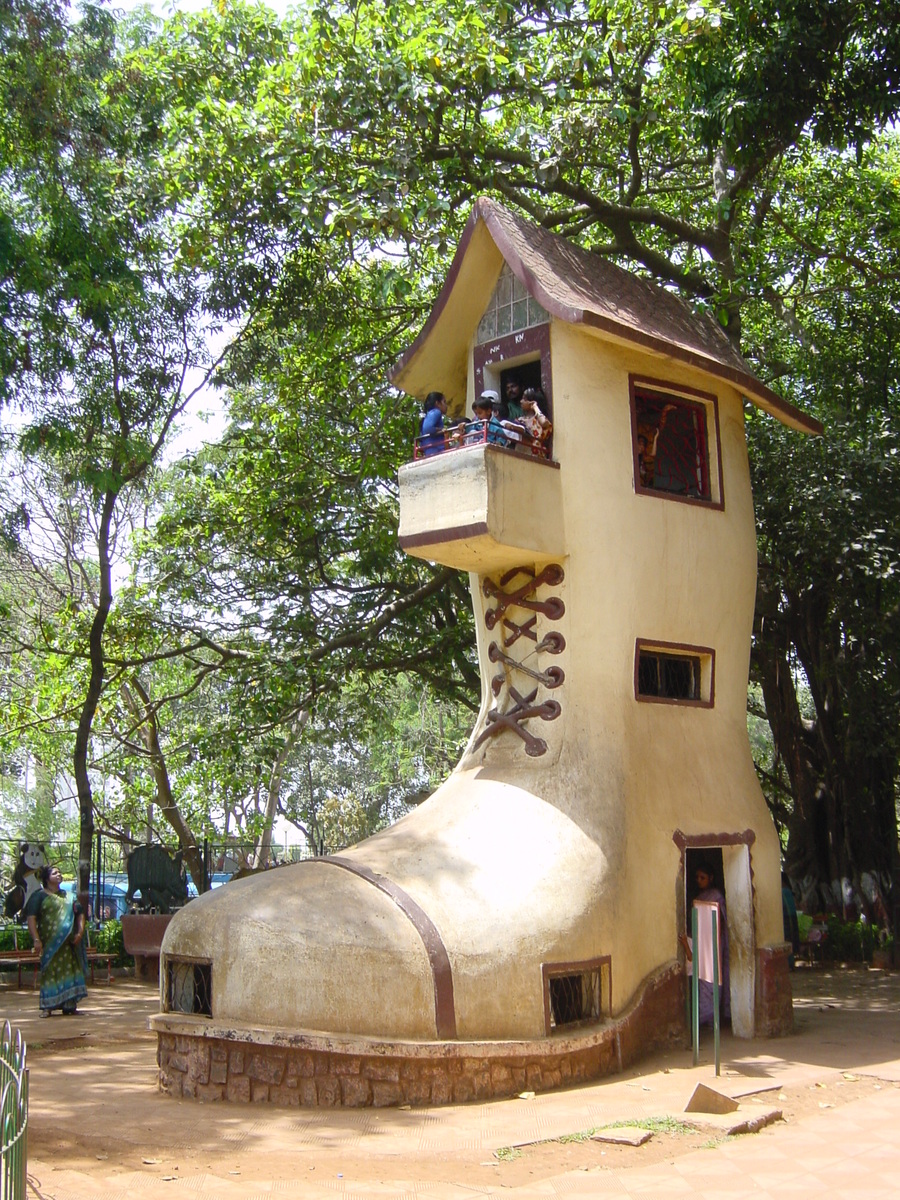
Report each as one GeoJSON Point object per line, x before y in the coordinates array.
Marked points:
{"type": "Point", "coordinates": [269, 205]}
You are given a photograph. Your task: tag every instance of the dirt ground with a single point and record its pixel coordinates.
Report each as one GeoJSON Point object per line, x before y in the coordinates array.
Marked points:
{"type": "Point", "coordinates": [96, 1109]}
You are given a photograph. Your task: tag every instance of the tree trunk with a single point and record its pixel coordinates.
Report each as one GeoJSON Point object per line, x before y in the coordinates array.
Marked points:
{"type": "Point", "coordinates": [92, 698]}
{"type": "Point", "coordinates": [843, 824]}
{"type": "Point", "coordinates": [145, 714]}
{"type": "Point", "coordinates": [265, 841]}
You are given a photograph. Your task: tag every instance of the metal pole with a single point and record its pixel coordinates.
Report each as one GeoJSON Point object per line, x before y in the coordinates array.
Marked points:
{"type": "Point", "coordinates": [715, 950]}
{"type": "Point", "coordinates": [695, 988]}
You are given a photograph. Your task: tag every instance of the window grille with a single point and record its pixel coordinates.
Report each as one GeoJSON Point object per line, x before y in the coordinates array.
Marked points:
{"type": "Point", "coordinates": [673, 673]}
{"type": "Point", "coordinates": [573, 993]}
{"type": "Point", "coordinates": [668, 676]}
{"type": "Point", "coordinates": [671, 446]}
{"type": "Point", "coordinates": [510, 308]}
{"type": "Point", "coordinates": [189, 987]}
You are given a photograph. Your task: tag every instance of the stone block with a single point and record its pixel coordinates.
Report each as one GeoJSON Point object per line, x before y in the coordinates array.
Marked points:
{"type": "Point", "coordinates": [236, 1060]}
{"type": "Point", "coordinates": [287, 1096]}
{"type": "Point", "coordinates": [463, 1089]}
{"type": "Point", "coordinates": [355, 1092]}
{"type": "Point", "coordinates": [300, 1066]}
{"type": "Point", "coordinates": [198, 1062]}
{"type": "Point", "coordinates": [346, 1065]}
{"type": "Point", "coordinates": [171, 1084]}
{"type": "Point", "coordinates": [177, 1062]}
{"type": "Point", "coordinates": [238, 1089]}
{"type": "Point", "coordinates": [218, 1072]}
{"type": "Point", "coordinates": [385, 1093]}
{"type": "Point", "coordinates": [501, 1078]}
{"type": "Point", "coordinates": [307, 1093]}
{"type": "Point", "coordinates": [266, 1067]}
{"type": "Point", "coordinates": [218, 1053]}
{"type": "Point", "coordinates": [481, 1084]}
{"type": "Point", "coordinates": [551, 1077]}
{"type": "Point", "coordinates": [441, 1089]}
{"type": "Point", "coordinates": [418, 1091]}
{"type": "Point", "coordinates": [384, 1070]}
{"type": "Point", "coordinates": [328, 1091]}
{"type": "Point", "coordinates": [210, 1091]}
{"type": "Point", "coordinates": [259, 1092]}
{"type": "Point", "coordinates": [533, 1078]}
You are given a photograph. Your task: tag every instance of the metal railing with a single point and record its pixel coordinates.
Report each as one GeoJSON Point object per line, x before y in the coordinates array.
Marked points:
{"type": "Point", "coordinates": [473, 432]}
{"type": "Point", "coordinates": [13, 1115]}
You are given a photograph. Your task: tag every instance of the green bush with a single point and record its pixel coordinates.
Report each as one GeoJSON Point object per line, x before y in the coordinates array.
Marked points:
{"type": "Point", "coordinates": [851, 941]}
{"type": "Point", "coordinates": [14, 936]}
{"type": "Point", "coordinates": [108, 940]}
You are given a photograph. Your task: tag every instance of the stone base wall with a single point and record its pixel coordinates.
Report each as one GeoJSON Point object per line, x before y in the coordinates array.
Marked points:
{"type": "Point", "coordinates": [774, 996]}
{"type": "Point", "coordinates": [199, 1060]}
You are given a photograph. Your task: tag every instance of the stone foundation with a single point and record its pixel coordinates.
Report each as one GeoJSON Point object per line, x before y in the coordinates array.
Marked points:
{"type": "Point", "coordinates": [774, 998]}
{"type": "Point", "coordinates": [206, 1061]}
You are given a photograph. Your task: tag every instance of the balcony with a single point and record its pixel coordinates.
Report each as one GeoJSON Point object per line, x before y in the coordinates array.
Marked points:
{"type": "Point", "coordinates": [482, 507]}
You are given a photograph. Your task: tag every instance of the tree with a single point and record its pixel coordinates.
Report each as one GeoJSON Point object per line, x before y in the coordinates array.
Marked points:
{"type": "Point", "coordinates": [316, 174]}
{"type": "Point", "coordinates": [115, 291]}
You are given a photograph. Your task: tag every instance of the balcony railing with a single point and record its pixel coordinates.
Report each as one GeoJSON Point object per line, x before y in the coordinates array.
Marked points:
{"type": "Point", "coordinates": [505, 434]}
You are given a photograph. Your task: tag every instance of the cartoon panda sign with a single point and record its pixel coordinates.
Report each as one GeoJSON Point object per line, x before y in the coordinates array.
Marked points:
{"type": "Point", "coordinates": [26, 877]}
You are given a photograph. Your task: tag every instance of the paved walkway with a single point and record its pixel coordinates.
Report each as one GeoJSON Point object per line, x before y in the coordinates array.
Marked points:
{"type": "Point", "coordinates": [99, 1129]}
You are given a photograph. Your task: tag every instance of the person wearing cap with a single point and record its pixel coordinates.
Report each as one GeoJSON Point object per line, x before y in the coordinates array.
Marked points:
{"type": "Point", "coordinates": [485, 425]}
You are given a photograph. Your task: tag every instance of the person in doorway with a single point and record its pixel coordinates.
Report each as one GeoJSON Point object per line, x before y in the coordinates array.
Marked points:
{"type": "Point", "coordinates": [705, 878]}
{"type": "Point", "coordinates": [512, 397]}
{"type": "Point", "coordinates": [431, 429]}
{"type": "Point", "coordinates": [56, 925]}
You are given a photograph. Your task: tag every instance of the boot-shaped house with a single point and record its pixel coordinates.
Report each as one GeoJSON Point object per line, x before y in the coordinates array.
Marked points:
{"type": "Point", "coordinates": [521, 928]}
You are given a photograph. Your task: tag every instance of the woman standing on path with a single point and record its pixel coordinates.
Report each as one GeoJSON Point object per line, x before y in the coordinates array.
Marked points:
{"type": "Point", "coordinates": [56, 925]}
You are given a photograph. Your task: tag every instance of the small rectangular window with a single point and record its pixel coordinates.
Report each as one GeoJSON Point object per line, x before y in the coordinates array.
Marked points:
{"type": "Point", "coordinates": [675, 674]}
{"type": "Point", "coordinates": [574, 993]}
{"type": "Point", "coordinates": [675, 443]}
{"type": "Point", "coordinates": [189, 987]}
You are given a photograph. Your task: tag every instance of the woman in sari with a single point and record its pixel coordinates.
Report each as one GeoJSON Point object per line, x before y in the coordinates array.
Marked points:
{"type": "Point", "coordinates": [705, 877]}
{"type": "Point", "coordinates": [56, 925]}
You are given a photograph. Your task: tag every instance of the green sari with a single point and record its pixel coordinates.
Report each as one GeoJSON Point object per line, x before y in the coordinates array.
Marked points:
{"type": "Point", "coordinates": [62, 963]}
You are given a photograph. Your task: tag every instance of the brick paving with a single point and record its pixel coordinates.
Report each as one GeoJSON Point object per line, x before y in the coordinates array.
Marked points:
{"type": "Point", "coordinates": [94, 1081]}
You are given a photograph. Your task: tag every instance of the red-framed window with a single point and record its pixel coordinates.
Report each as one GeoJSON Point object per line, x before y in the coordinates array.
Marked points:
{"type": "Point", "coordinates": [675, 443]}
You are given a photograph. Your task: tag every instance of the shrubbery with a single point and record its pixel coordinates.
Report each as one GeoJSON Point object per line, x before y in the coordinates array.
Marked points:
{"type": "Point", "coordinates": [853, 941]}
{"type": "Point", "coordinates": [108, 939]}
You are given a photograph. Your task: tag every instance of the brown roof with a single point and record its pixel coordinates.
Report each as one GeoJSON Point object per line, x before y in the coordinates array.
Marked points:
{"type": "Point", "coordinates": [580, 287]}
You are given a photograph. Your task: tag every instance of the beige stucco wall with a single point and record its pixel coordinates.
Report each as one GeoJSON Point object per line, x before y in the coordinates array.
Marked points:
{"type": "Point", "coordinates": [569, 856]}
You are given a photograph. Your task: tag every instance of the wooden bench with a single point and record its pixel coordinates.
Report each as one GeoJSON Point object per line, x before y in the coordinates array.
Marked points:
{"type": "Point", "coordinates": [98, 956]}
{"type": "Point", "coordinates": [26, 957]}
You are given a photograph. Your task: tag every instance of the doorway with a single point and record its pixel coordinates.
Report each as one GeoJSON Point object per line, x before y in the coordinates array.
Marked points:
{"type": "Point", "coordinates": [729, 861]}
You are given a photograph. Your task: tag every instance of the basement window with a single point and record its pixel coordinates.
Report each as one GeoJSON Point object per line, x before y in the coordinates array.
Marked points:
{"type": "Point", "coordinates": [573, 993]}
{"type": "Point", "coordinates": [675, 435]}
{"type": "Point", "coordinates": [189, 987]}
{"type": "Point", "coordinates": [674, 674]}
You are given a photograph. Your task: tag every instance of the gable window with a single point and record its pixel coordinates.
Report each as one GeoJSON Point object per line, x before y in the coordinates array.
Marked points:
{"type": "Point", "coordinates": [674, 674]}
{"type": "Point", "coordinates": [510, 309]}
{"type": "Point", "coordinates": [675, 436]}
